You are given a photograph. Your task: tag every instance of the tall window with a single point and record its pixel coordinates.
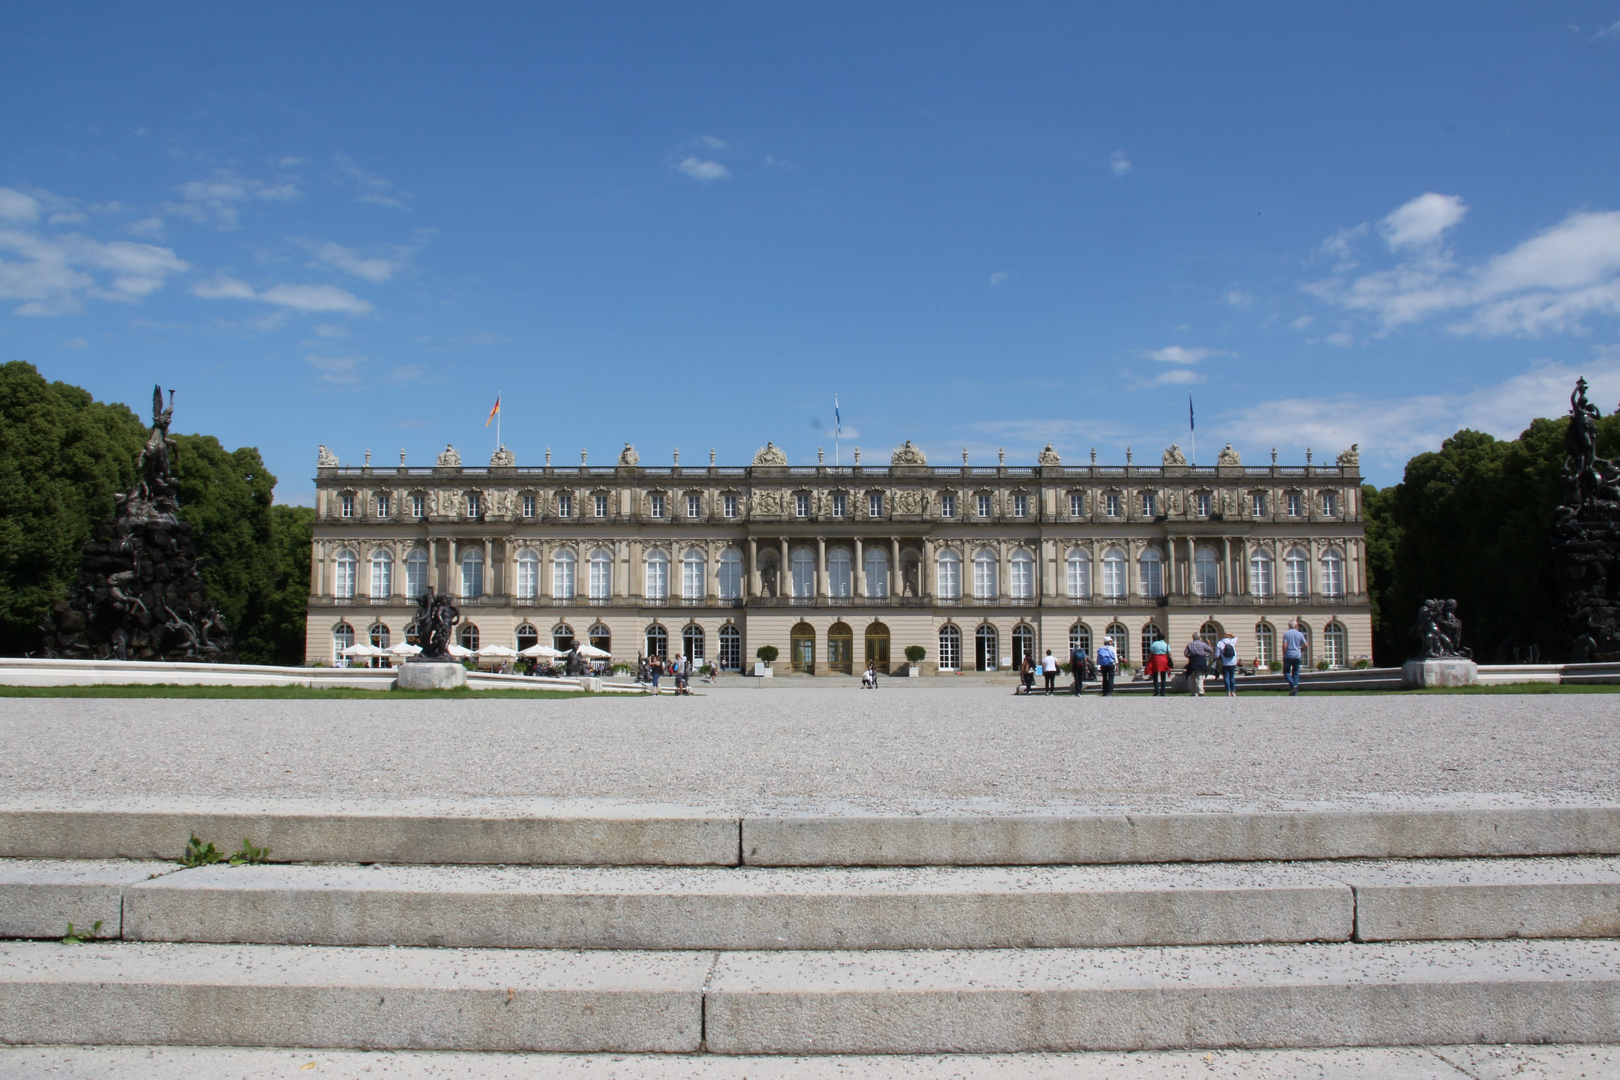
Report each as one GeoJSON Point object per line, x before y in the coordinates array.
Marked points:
{"type": "Point", "coordinates": [984, 506]}
{"type": "Point", "coordinates": [693, 568]}
{"type": "Point", "coordinates": [986, 646]}
{"type": "Point", "coordinates": [657, 505]}
{"type": "Point", "coordinates": [1332, 576]}
{"type": "Point", "coordinates": [658, 642]}
{"type": "Point", "coordinates": [1080, 638]}
{"type": "Point", "coordinates": [840, 505]}
{"type": "Point", "coordinates": [1295, 504]}
{"type": "Point", "coordinates": [600, 505]}
{"type": "Point", "coordinates": [838, 572]}
{"type": "Point", "coordinates": [1330, 505]}
{"type": "Point", "coordinates": [1023, 644]}
{"type": "Point", "coordinates": [565, 506]}
{"type": "Point", "coordinates": [877, 573]}
{"type": "Point", "coordinates": [416, 573]}
{"type": "Point", "coordinates": [1257, 503]}
{"type": "Point", "coordinates": [1150, 504]}
{"type": "Point", "coordinates": [1206, 573]}
{"type": "Point", "coordinates": [601, 637]}
{"type": "Point", "coordinates": [528, 575]}
{"type": "Point", "coordinates": [527, 636]}
{"type": "Point", "coordinates": [1201, 504]}
{"type": "Point", "coordinates": [950, 648]}
{"type": "Point", "coordinates": [1077, 504]}
{"type": "Point", "coordinates": [731, 575]}
{"type": "Point", "coordinates": [1120, 638]}
{"type": "Point", "coordinates": [418, 506]}
{"type": "Point", "coordinates": [342, 638]}
{"type": "Point", "coordinates": [382, 574]}
{"type": "Point", "coordinates": [1111, 504]}
{"type": "Point", "coordinates": [874, 504]}
{"type": "Point", "coordinates": [343, 575]}
{"type": "Point", "coordinates": [348, 506]}
{"type": "Point", "coordinates": [801, 505]}
{"type": "Point", "coordinates": [1150, 634]}
{"type": "Point", "coordinates": [475, 505]}
{"type": "Point", "coordinates": [1020, 506]}
{"type": "Point", "coordinates": [984, 574]}
{"type": "Point", "coordinates": [562, 637]}
{"type": "Point", "coordinates": [692, 643]}
{"type": "Point", "coordinates": [950, 576]}
{"type": "Point", "coordinates": [1305, 650]}
{"type": "Point", "coordinates": [1333, 644]}
{"type": "Point", "coordinates": [1296, 574]}
{"type": "Point", "coordinates": [947, 506]}
{"type": "Point", "coordinates": [694, 506]}
{"type": "Point", "coordinates": [804, 573]}
{"type": "Point", "coordinates": [1079, 574]}
{"type": "Point", "coordinates": [1261, 582]}
{"type": "Point", "coordinates": [469, 636]}
{"type": "Point", "coordinates": [562, 574]}
{"type": "Point", "coordinates": [1152, 571]}
{"type": "Point", "coordinates": [601, 583]}
{"type": "Point", "coordinates": [384, 504]}
{"type": "Point", "coordinates": [729, 505]}
{"type": "Point", "coordinates": [730, 648]}
{"type": "Point", "coordinates": [1023, 575]}
{"type": "Point", "coordinates": [1265, 642]}
{"type": "Point", "coordinates": [1113, 574]}
{"type": "Point", "coordinates": [657, 575]}
{"type": "Point", "coordinates": [528, 506]}
{"type": "Point", "coordinates": [1211, 632]}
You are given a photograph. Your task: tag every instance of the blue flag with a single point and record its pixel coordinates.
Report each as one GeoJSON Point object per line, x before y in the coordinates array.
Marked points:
{"type": "Point", "coordinates": [1191, 424]}
{"type": "Point", "coordinates": [838, 421]}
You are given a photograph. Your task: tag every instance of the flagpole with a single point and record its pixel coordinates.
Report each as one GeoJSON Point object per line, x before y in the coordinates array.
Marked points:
{"type": "Point", "coordinates": [499, 394]}
{"type": "Point", "coordinates": [1192, 430]}
{"type": "Point", "coordinates": [838, 430]}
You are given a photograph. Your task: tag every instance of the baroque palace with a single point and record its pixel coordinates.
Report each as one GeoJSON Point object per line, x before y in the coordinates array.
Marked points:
{"type": "Point", "coordinates": [836, 566]}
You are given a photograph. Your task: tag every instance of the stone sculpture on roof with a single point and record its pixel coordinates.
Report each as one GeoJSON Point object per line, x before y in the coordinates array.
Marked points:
{"type": "Point", "coordinates": [502, 457]}
{"type": "Point", "coordinates": [908, 454]}
{"type": "Point", "coordinates": [450, 459]}
{"type": "Point", "coordinates": [1350, 458]}
{"type": "Point", "coordinates": [770, 454]}
{"type": "Point", "coordinates": [1174, 456]}
{"type": "Point", "coordinates": [1049, 457]}
{"type": "Point", "coordinates": [325, 459]}
{"type": "Point", "coordinates": [1228, 456]}
{"type": "Point", "coordinates": [628, 458]}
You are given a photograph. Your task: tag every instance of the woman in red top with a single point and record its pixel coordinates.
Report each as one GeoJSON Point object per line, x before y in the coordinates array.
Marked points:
{"type": "Point", "coordinates": [1158, 670]}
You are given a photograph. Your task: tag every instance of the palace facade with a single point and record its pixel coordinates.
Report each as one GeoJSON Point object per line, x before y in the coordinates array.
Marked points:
{"type": "Point", "coordinates": [835, 566]}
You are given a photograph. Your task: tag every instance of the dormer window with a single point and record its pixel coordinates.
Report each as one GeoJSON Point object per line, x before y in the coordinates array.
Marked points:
{"type": "Point", "coordinates": [984, 506]}
{"type": "Point", "coordinates": [565, 506]}
{"type": "Point", "coordinates": [1077, 505]}
{"type": "Point", "coordinates": [1257, 503]}
{"type": "Point", "coordinates": [1111, 504]}
{"type": "Point", "coordinates": [840, 506]}
{"type": "Point", "coordinates": [694, 506]}
{"type": "Point", "coordinates": [418, 506]}
{"type": "Point", "coordinates": [1150, 504]}
{"type": "Point", "coordinates": [729, 505]}
{"type": "Point", "coordinates": [1295, 505]}
{"type": "Point", "coordinates": [874, 504]}
{"type": "Point", "coordinates": [600, 506]}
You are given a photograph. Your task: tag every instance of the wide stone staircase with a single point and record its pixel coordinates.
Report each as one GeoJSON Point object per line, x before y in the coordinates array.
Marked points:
{"type": "Point", "coordinates": [658, 930]}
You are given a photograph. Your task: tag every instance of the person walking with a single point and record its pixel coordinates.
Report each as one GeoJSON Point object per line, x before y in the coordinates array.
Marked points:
{"type": "Point", "coordinates": [1026, 674]}
{"type": "Point", "coordinates": [1293, 653]}
{"type": "Point", "coordinates": [1226, 651]}
{"type": "Point", "coordinates": [1077, 666]}
{"type": "Point", "coordinates": [1158, 666]}
{"type": "Point", "coordinates": [1198, 654]}
{"type": "Point", "coordinates": [655, 668]}
{"type": "Point", "coordinates": [1107, 664]}
{"type": "Point", "coordinates": [1049, 668]}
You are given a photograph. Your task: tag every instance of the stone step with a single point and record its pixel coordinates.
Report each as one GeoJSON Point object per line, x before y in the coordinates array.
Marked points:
{"type": "Point", "coordinates": [942, 1001]}
{"type": "Point", "coordinates": [578, 833]}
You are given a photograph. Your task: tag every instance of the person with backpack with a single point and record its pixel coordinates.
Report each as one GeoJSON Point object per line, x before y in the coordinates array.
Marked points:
{"type": "Point", "coordinates": [1198, 654]}
{"type": "Point", "coordinates": [1107, 664]}
{"type": "Point", "coordinates": [1077, 667]}
{"type": "Point", "coordinates": [1293, 653]}
{"type": "Point", "coordinates": [1158, 666]}
{"type": "Point", "coordinates": [1026, 675]}
{"type": "Point", "coordinates": [1226, 650]}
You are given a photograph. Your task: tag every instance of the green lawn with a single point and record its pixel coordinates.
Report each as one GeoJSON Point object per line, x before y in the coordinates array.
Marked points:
{"type": "Point", "coordinates": [273, 692]}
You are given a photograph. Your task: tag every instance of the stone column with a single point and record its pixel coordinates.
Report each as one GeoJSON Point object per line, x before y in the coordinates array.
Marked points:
{"type": "Point", "coordinates": [1313, 582]}
{"type": "Point", "coordinates": [452, 550]}
{"type": "Point", "coordinates": [895, 587]}
{"type": "Point", "coordinates": [635, 570]}
{"type": "Point", "coordinates": [1226, 566]}
{"type": "Point", "coordinates": [711, 574]}
{"type": "Point", "coordinates": [784, 576]}
{"type": "Point", "coordinates": [433, 565]}
{"type": "Point", "coordinates": [753, 568]}
{"type": "Point", "coordinates": [821, 567]}
{"type": "Point", "coordinates": [859, 569]}
{"type": "Point", "coordinates": [543, 549]}
{"type": "Point", "coordinates": [490, 588]}
{"type": "Point", "coordinates": [925, 572]}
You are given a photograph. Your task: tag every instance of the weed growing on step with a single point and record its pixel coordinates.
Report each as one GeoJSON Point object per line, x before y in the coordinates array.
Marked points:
{"type": "Point", "coordinates": [80, 936]}
{"type": "Point", "coordinates": [250, 855]}
{"type": "Point", "coordinates": [198, 853]}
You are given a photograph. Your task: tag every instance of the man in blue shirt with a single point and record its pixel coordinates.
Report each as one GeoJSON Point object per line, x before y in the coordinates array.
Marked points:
{"type": "Point", "coordinates": [1107, 661]}
{"type": "Point", "coordinates": [1293, 653]}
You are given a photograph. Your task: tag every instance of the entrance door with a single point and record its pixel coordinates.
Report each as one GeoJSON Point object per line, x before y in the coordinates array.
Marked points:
{"type": "Point", "coordinates": [802, 648]}
{"type": "Point", "coordinates": [840, 648]}
{"type": "Point", "coordinates": [877, 646]}
{"type": "Point", "coordinates": [984, 647]}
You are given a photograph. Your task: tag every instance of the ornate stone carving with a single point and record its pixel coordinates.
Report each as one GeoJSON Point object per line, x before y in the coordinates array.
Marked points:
{"type": "Point", "coordinates": [628, 458]}
{"type": "Point", "coordinates": [325, 459]}
{"type": "Point", "coordinates": [1351, 458]}
{"type": "Point", "coordinates": [1228, 456]}
{"type": "Point", "coordinates": [502, 458]}
{"type": "Point", "coordinates": [450, 459]}
{"type": "Point", "coordinates": [770, 454]}
{"type": "Point", "coordinates": [1049, 456]}
{"type": "Point", "coordinates": [908, 454]}
{"type": "Point", "coordinates": [908, 501]}
{"type": "Point", "coordinates": [769, 501]}
{"type": "Point", "coordinates": [1174, 456]}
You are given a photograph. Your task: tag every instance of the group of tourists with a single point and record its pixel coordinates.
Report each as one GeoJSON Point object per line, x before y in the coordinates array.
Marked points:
{"type": "Point", "coordinates": [1204, 659]}
{"type": "Point", "coordinates": [651, 670]}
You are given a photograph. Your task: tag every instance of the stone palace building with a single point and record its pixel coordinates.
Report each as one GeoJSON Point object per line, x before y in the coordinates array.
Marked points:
{"type": "Point", "coordinates": [836, 566]}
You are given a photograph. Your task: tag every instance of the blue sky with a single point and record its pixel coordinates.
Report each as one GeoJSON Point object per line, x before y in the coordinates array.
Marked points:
{"type": "Point", "coordinates": [690, 225]}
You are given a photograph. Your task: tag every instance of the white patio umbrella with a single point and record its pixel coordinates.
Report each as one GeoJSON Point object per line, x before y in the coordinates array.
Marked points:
{"type": "Point", "coordinates": [363, 648]}
{"type": "Point", "coordinates": [545, 651]}
{"type": "Point", "coordinates": [502, 651]}
{"type": "Point", "coordinates": [404, 648]}
{"type": "Point", "coordinates": [458, 651]}
{"type": "Point", "coordinates": [591, 652]}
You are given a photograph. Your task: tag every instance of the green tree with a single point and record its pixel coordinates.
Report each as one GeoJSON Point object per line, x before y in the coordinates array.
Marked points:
{"type": "Point", "coordinates": [63, 458]}
{"type": "Point", "coordinates": [291, 530]}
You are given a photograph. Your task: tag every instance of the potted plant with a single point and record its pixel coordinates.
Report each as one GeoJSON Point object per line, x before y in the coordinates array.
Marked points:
{"type": "Point", "coordinates": [767, 655]}
{"type": "Point", "coordinates": [914, 658]}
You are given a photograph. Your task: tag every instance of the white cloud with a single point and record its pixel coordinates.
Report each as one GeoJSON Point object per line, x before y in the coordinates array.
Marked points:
{"type": "Point", "coordinates": [215, 200]}
{"type": "Point", "coordinates": [1119, 163]}
{"type": "Point", "coordinates": [75, 343]}
{"type": "Point", "coordinates": [1550, 283]}
{"type": "Point", "coordinates": [703, 171]}
{"type": "Point", "coordinates": [1179, 377]}
{"type": "Point", "coordinates": [342, 370]}
{"type": "Point", "coordinates": [70, 217]}
{"type": "Point", "coordinates": [1303, 322]}
{"type": "Point", "coordinates": [1239, 299]}
{"type": "Point", "coordinates": [712, 142]}
{"type": "Point", "coordinates": [1177, 354]}
{"type": "Point", "coordinates": [1421, 221]}
{"type": "Point", "coordinates": [297, 297]}
{"type": "Point", "coordinates": [373, 188]}
{"type": "Point", "coordinates": [52, 273]}
{"type": "Point", "coordinates": [15, 206]}
{"type": "Point", "coordinates": [371, 267]}
{"type": "Point", "coordinates": [1608, 31]}
{"type": "Point", "coordinates": [151, 226]}
{"type": "Point", "coordinates": [330, 330]}
{"type": "Point", "coordinates": [998, 277]}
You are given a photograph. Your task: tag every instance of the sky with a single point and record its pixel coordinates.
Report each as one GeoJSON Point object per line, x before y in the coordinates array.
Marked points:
{"type": "Point", "coordinates": [693, 226]}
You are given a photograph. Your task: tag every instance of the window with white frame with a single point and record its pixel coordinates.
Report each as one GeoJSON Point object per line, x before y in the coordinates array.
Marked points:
{"type": "Point", "coordinates": [804, 573]}
{"type": "Point", "coordinates": [1296, 573]}
{"type": "Point", "coordinates": [1206, 573]}
{"type": "Point", "coordinates": [1265, 642]}
{"type": "Point", "coordinates": [947, 506]}
{"type": "Point", "coordinates": [1020, 506]}
{"type": "Point", "coordinates": [731, 575]}
{"type": "Point", "coordinates": [343, 575]}
{"type": "Point", "coordinates": [475, 505]}
{"type": "Point", "coordinates": [730, 647]}
{"type": "Point", "coordinates": [950, 648]}
{"type": "Point", "coordinates": [1079, 574]}
{"type": "Point", "coordinates": [1262, 583]}
{"type": "Point", "coordinates": [729, 505]}
{"type": "Point", "coordinates": [838, 572]}
{"type": "Point", "coordinates": [801, 505]}
{"type": "Point", "coordinates": [342, 639]}
{"type": "Point", "coordinates": [1023, 575]}
{"type": "Point", "coordinates": [565, 506]}
{"type": "Point", "coordinates": [1111, 504]}
{"type": "Point", "coordinates": [599, 505]}
{"type": "Point", "coordinates": [562, 574]}
{"type": "Point", "coordinates": [1201, 504]}
{"type": "Point", "coordinates": [1296, 505]}
{"type": "Point", "coordinates": [382, 573]}
{"type": "Point", "coordinates": [1077, 504]}
{"type": "Point", "coordinates": [877, 573]}
{"type": "Point", "coordinates": [416, 573]}
{"type": "Point", "coordinates": [528, 506]}
{"type": "Point", "coordinates": [657, 572]}
{"type": "Point", "coordinates": [528, 575]}
{"type": "Point", "coordinates": [984, 574]}
{"type": "Point", "coordinates": [1151, 569]}
{"type": "Point", "coordinates": [1330, 502]}
{"type": "Point", "coordinates": [472, 573]}
{"type": "Point", "coordinates": [874, 504]}
{"type": "Point", "coordinates": [949, 566]}
{"type": "Point", "coordinates": [418, 506]}
{"type": "Point", "coordinates": [655, 505]}
{"type": "Point", "coordinates": [694, 506]}
{"type": "Point", "coordinates": [384, 504]}
{"type": "Point", "coordinates": [1333, 644]}
{"type": "Point", "coordinates": [1120, 638]}
{"type": "Point", "coordinates": [1080, 638]}
{"type": "Point", "coordinates": [1150, 504]}
{"type": "Point", "coordinates": [1257, 504]}
{"type": "Point", "coordinates": [693, 568]}
{"type": "Point", "coordinates": [840, 505]}
{"type": "Point", "coordinates": [1332, 574]}
{"type": "Point", "coordinates": [347, 506]}
{"type": "Point", "coordinates": [984, 505]}
{"type": "Point", "coordinates": [1113, 573]}
{"type": "Point", "coordinates": [601, 583]}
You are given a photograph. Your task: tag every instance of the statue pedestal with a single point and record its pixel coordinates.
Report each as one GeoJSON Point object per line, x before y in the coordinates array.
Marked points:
{"type": "Point", "coordinates": [430, 675]}
{"type": "Point", "coordinates": [1441, 671]}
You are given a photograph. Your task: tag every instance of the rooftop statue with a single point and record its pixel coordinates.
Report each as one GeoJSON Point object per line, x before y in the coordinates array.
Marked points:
{"type": "Point", "coordinates": [450, 459]}
{"type": "Point", "coordinates": [1228, 456]}
{"type": "Point", "coordinates": [1049, 457]}
{"type": "Point", "coordinates": [502, 458]}
{"type": "Point", "coordinates": [628, 458]}
{"type": "Point", "coordinates": [770, 454]}
{"type": "Point", "coordinates": [908, 455]}
{"type": "Point", "coordinates": [1174, 456]}
{"type": "Point", "coordinates": [1350, 458]}
{"type": "Point", "coordinates": [325, 459]}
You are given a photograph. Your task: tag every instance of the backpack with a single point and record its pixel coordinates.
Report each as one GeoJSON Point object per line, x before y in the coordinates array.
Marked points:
{"type": "Point", "coordinates": [1227, 652]}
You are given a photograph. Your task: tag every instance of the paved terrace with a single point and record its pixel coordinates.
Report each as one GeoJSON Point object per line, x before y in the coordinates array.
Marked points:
{"type": "Point", "coordinates": [825, 747]}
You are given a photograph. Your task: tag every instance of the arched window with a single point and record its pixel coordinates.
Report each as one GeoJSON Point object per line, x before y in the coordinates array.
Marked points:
{"type": "Point", "coordinates": [1211, 632]}
{"type": "Point", "coordinates": [985, 646]}
{"type": "Point", "coordinates": [950, 579]}
{"type": "Point", "coordinates": [562, 574]}
{"type": "Point", "coordinates": [472, 573]}
{"type": "Point", "coordinates": [1262, 583]}
{"type": "Point", "coordinates": [1113, 574]}
{"type": "Point", "coordinates": [804, 573]}
{"type": "Point", "coordinates": [1296, 574]}
{"type": "Point", "coordinates": [1023, 576]}
{"type": "Point", "coordinates": [694, 567]}
{"type": "Point", "coordinates": [379, 635]}
{"type": "Point", "coordinates": [343, 575]}
{"type": "Point", "coordinates": [1152, 572]}
{"type": "Point", "coordinates": [731, 575]}
{"type": "Point", "coordinates": [411, 636]}
{"type": "Point", "coordinates": [802, 648]}
{"type": "Point", "coordinates": [1079, 567]}
{"type": "Point", "coordinates": [469, 637]}
{"type": "Point", "coordinates": [692, 643]}
{"type": "Point", "coordinates": [1023, 644]}
{"type": "Point", "coordinates": [730, 648]}
{"type": "Point", "coordinates": [657, 642]}
{"type": "Point", "coordinates": [841, 648]}
{"type": "Point", "coordinates": [950, 648]}
{"type": "Point", "coordinates": [877, 573]}
{"type": "Point", "coordinates": [657, 575]}
{"type": "Point", "coordinates": [838, 573]}
{"type": "Point", "coordinates": [416, 574]}
{"type": "Point", "coordinates": [382, 574]}
{"type": "Point", "coordinates": [1150, 634]}
{"type": "Point", "coordinates": [1206, 573]}
{"type": "Point", "coordinates": [601, 583]}
{"type": "Point", "coordinates": [1265, 642]}
{"type": "Point", "coordinates": [528, 575]}
{"type": "Point", "coordinates": [342, 638]}
{"type": "Point", "coordinates": [1334, 644]}
{"type": "Point", "coordinates": [1332, 579]}
{"type": "Point", "coordinates": [1305, 650]}
{"type": "Point", "coordinates": [877, 647]}
{"type": "Point", "coordinates": [984, 576]}
{"type": "Point", "coordinates": [527, 637]}
{"type": "Point", "coordinates": [562, 637]}
{"type": "Point", "coordinates": [1120, 638]}
{"type": "Point", "coordinates": [1080, 638]}
{"type": "Point", "coordinates": [601, 638]}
